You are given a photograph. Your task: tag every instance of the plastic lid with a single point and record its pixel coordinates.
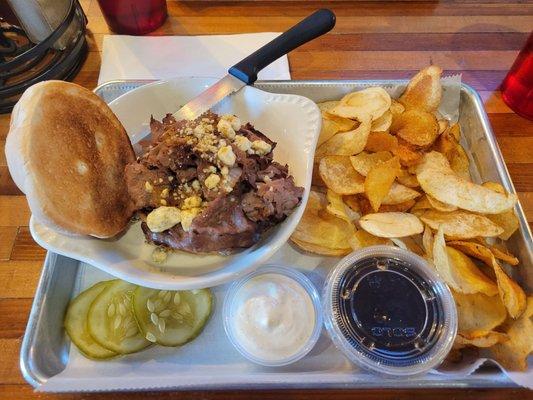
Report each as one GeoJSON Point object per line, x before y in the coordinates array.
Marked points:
{"type": "Point", "coordinates": [229, 310]}
{"type": "Point", "coordinates": [388, 311]}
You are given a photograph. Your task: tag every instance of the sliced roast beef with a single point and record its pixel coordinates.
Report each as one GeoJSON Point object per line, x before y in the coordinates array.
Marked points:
{"type": "Point", "coordinates": [272, 200]}
{"type": "Point", "coordinates": [222, 225]}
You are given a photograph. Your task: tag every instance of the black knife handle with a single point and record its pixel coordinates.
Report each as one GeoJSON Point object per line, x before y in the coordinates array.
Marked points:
{"type": "Point", "coordinates": [313, 26]}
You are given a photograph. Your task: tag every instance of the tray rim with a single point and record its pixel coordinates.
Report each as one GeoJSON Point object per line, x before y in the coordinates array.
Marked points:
{"type": "Point", "coordinates": [493, 380]}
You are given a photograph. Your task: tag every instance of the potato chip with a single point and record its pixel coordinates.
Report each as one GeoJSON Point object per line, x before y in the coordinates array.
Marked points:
{"type": "Point", "coordinates": [408, 243]}
{"type": "Point", "coordinates": [513, 353]}
{"type": "Point", "coordinates": [370, 102]}
{"type": "Point", "coordinates": [442, 262]}
{"type": "Point", "coordinates": [407, 179]}
{"type": "Point", "coordinates": [460, 163]}
{"type": "Point", "coordinates": [379, 181]}
{"type": "Point", "coordinates": [344, 124]}
{"type": "Point", "coordinates": [409, 155]}
{"type": "Point", "coordinates": [422, 204]}
{"type": "Point", "coordinates": [346, 143]}
{"type": "Point", "coordinates": [427, 241]}
{"type": "Point", "coordinates": [497, 187]}
{"type": "Point", "coordinates": [455, 131]}
{"type": "Point", "coordinates": [366, 208]}
{"type": "Point", "coordinates": [328, 130]}
{"type": "Point", "coordinates": [504, 255]}
{"type": "Point", "coordinates": [443, 125]}
{"type": "Point", "coordinates": [416, 127]}
{"type": "Point", "coordinates": [391, 224]}
{"type": "Point", "coordinates": [316, 178]}
{"type": "Point", "coordinates": [478, 312]}
{"type": "Point", "coordinates": [399, 194]}
{"type": "Point", "coordinates": [352, 202]}
{"type": "Point", "coordinates": [508, 221]}
{"type": "Point", "coordinates": [381, 141]}
{"type": "Point", "coordinates": [512, 295]}
{"type": "Point", "coordinates": [439, 205]}
{"type": "Point", "coordinates": [337, 208]}
{"type": "Point", "coordinates": [363, 239]}
{"type": "Point", "coordinates": [319, 228]}
{"type": "Point", "coordinates": [469, 277]}
{"type": "Point", "coordinates": [317, 249]}
{"type": "Point", "coordinates": [327, 105]}
{"type": "Point", "coordinates": [461, 224]}
{"type": "Point", "coordinates": [383, 123]}
{"type": "Point", "coordinates": [338, 174]}
{"type": "Point", "coordinates": [424, 91]}
{"type": "Point", "coordinates": [438, 180]}
{"type": "Point", "coordinates": [364, 161]}
{"type": "Point", "coordinates": [481, 251]}
{"type": "Point", "coordinates": [396, 108]}
{"type": "Point", "coordinates": [481, 339]}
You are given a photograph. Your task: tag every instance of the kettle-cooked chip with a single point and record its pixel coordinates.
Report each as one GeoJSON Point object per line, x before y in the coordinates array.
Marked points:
{"type": "Point", "coordinates": [328, 130]}
{"type": "Point", "coordinates": [399, 194]}
{"type": "Point", "coordinates": [381, 141]}
{"type": "Point", "coordinates": [338, 174]}
{"type": "Point", "coordinates": [513, 354]}
{"type": "Point", "coordinates": [461, 224]}
{"type": "Point", "coordinates": [440, 181]}
{"type": "Point", "coordinates": [391, 224]}
{"type": "Point", "coordinates": [417, 127]}
{"type": "Point", "coordinates": [478, 312]}
{"type": "Point", "coordinates": [363, 162]}
{"type": "Point", "coordinates": [379, 180]}
{"type": "Point", "coordinates": [346, 143]}
{"type": "Point", "coordinates": [383, 123]}
{"type": "Point", "coordinates": [482, 339]}
{"type": "Point", "coordinates": [439, 205]}
{"type": "Point", "coordinates": [370, 102]}
{"type": "Point", "coordinates": [339, 209]}
{"type": "Point", "coordinates": [317, 249]}
{"type": "Point", "coordinates": [424, 90]}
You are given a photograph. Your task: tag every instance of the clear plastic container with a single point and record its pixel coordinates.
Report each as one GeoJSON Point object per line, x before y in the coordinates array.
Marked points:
{"type": "Point", "coordinates": [389, 312]}
{"type": "Point", "coordinates": [229, 309]}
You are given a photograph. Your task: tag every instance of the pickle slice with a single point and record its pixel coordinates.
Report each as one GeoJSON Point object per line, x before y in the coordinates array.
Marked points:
{"type": "Point", "coordinates": [76, 323]}
{"type": "Point", "coordinates": [171, 318]}
{"type": "Point", "coordinates": [111, 321]}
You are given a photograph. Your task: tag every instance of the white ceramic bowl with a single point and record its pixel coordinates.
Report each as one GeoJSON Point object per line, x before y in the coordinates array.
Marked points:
{"type": "Point", "coordinates": [292, 121]}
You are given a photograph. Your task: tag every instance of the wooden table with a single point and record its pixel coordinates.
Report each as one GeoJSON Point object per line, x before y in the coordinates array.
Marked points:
{"type": "Point", "coordinates": [371, 40]}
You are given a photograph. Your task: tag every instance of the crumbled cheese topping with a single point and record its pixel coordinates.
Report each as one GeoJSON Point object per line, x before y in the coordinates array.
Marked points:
{"type": "Point", "coordinates": [212, 181]}
{"type": "Point", "coordinates": [225, 128]}
{"type": "Point", "coordinates": [187, 217]}
{"type": "Point", "coordinates": [242, 143]}
{"type": "Point", "coordinates": [163, 218]}
{"type": "Point", "coordinates": [226, 156]}
{"type": "Point", "coordinates": [234, 121]}
{"type": "Point", "coordinates": [148, 187]}
{"type": "Point", "coordinates": [192, 202]}
{"type": "Point", "coordinates": [261, 147]}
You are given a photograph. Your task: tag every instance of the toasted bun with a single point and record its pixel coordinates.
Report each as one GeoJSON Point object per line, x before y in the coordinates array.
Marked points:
{"type": "Point", "coordinates": [66, 151]}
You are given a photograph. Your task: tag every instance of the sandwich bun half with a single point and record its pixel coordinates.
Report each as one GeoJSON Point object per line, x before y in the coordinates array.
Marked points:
{"type": "Point", "coordinates": [66, 151]}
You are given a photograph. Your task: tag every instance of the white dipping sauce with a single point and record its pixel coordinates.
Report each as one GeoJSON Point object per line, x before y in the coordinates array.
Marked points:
{"type": "Point", "coordinates": [273, 317]}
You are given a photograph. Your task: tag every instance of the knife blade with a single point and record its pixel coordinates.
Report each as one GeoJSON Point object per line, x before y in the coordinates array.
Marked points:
{"type": "Point", "coordinates": [245, 71]}
{"type": "Point", "coordinates": [209, 98]}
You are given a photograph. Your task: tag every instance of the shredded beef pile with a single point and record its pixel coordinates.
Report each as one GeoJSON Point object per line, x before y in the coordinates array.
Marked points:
{"type": "Point", "coordinates": [228, 166]}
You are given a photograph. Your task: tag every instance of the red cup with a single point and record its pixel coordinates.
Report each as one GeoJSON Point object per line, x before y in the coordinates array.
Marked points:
{"type": "Point", "coordinates": [134, 17]}
{"type": "Point", "coordinates": [517, 87]}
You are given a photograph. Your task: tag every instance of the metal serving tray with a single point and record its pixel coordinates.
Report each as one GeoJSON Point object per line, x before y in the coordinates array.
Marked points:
{"type": "Point", "coordinates": [45, 347]}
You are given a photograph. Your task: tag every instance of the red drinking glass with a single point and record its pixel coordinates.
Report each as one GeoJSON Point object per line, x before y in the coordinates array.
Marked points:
{"type": "Point", "coordinates": [517, 87]}
{"type": "Point", "coordinates": [134, 17]}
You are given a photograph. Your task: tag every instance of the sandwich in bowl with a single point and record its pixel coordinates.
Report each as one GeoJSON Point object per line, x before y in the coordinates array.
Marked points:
{"type": "Point", "coordinates": [66, 151]}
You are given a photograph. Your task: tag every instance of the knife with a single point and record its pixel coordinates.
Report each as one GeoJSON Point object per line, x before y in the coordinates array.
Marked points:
{"type": "Point", "coordinates": [245, 72]}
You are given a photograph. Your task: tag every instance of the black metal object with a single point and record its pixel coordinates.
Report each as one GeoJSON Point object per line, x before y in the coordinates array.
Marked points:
{"type": "Point", "coordinates": [24, 64]}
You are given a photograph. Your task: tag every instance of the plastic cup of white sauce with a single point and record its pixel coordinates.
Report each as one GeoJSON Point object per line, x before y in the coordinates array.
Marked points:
{"type": "Point", "coordinates": [273, 316]}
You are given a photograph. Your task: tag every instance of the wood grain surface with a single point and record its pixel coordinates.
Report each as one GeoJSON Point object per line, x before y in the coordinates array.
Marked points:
{"type": "Point", "coordinates": [371, 40]}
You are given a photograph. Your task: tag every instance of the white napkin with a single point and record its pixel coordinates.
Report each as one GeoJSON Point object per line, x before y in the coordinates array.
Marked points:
{"type": "Point", "coordinates": [164, 57]}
